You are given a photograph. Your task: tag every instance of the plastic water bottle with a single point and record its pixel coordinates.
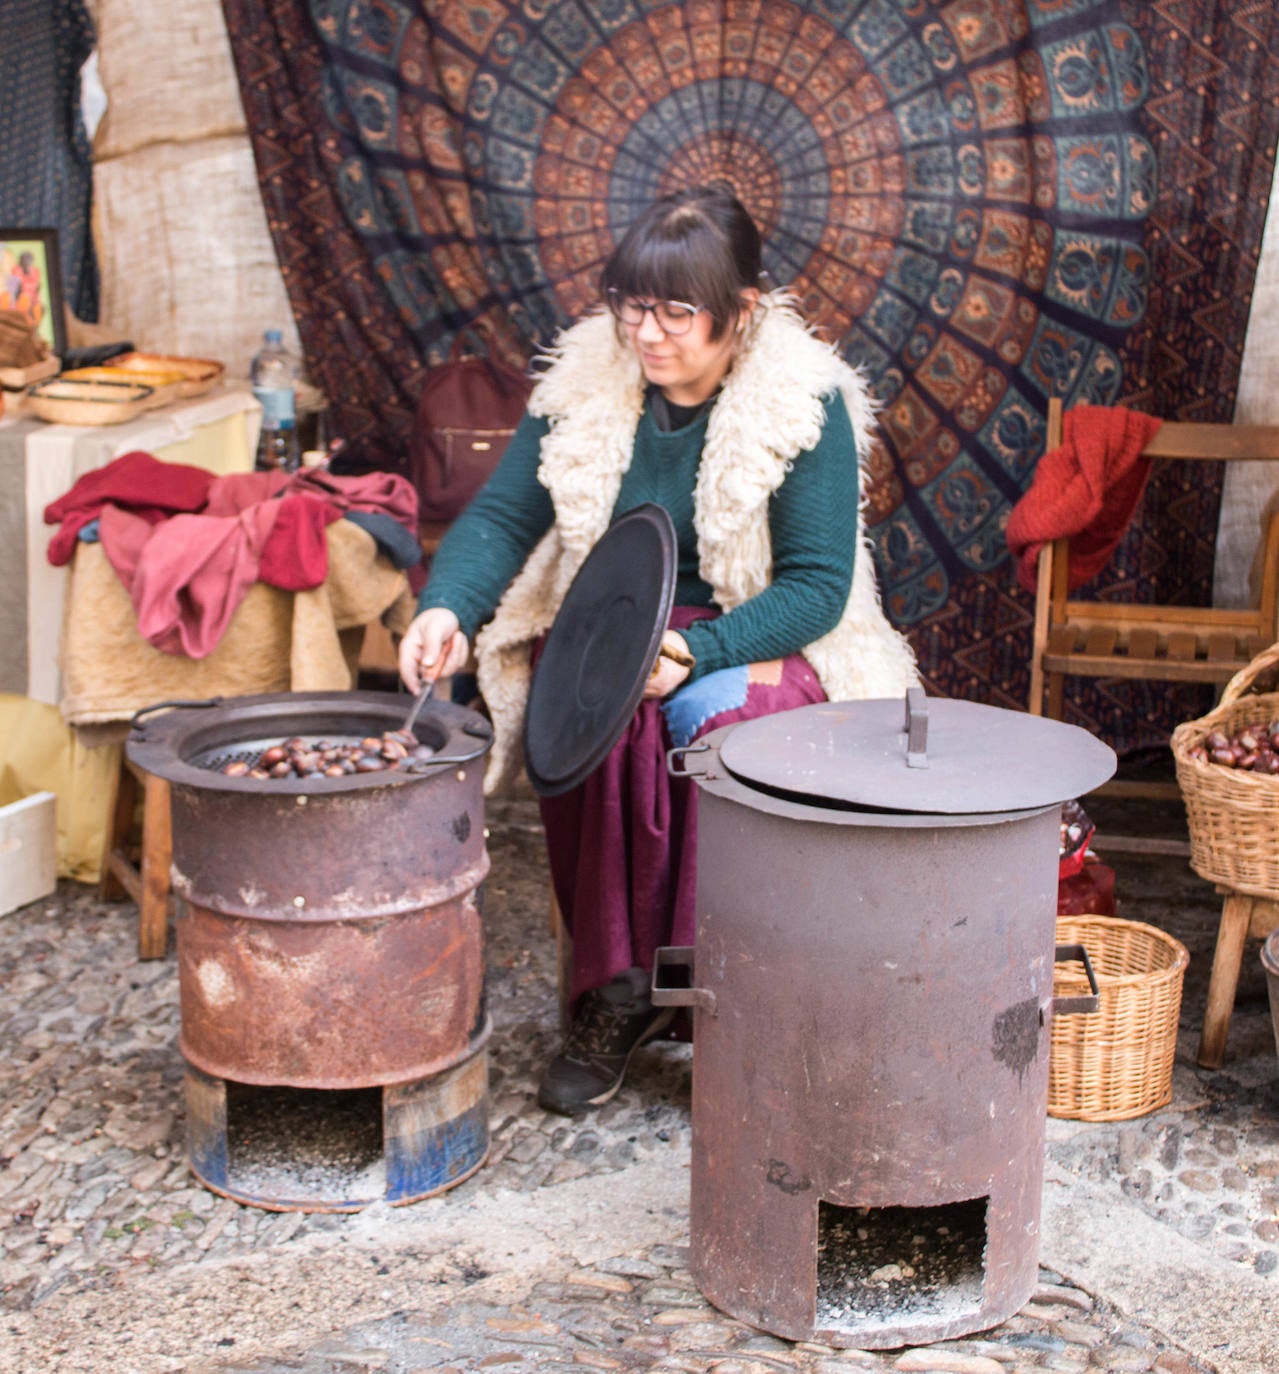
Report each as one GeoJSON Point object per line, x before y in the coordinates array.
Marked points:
{"type": "Point", "coordinates": [274, 374]}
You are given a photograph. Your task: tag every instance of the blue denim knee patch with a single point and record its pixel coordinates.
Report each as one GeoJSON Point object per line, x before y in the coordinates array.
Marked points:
{"type": "Point", "coordinates": [688, 709]}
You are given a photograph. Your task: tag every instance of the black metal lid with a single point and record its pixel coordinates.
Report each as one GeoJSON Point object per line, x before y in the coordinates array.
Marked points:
{"type": "Point", "coordinates": [599, 652]}
{"type": "Point", "coordinates": [929, 755]}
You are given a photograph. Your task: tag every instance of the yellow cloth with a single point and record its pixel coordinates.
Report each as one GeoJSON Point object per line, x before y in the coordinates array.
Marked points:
{"type": "Point", "coordinates": [38, 753]}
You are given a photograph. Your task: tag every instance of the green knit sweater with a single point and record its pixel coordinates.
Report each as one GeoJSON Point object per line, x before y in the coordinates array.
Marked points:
{"type": "Point", "coordinates": [812, 519]}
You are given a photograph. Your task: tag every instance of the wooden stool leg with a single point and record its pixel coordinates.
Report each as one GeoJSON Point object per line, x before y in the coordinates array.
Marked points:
{"type": "Point", "coordinates": [157, 858]}
{"type": "Point", "coordinates": [1236, 916]}
{"type": "Point", "coordinates": [111, 887]}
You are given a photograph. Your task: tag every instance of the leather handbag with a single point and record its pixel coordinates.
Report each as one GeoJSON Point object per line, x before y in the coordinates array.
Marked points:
{"type": "Point", "coordinates": [467, 411]}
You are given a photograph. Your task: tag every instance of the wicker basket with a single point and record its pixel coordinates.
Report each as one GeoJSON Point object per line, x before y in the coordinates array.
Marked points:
{"type": "Point", "coordinates": [1116, 1063]}
{"type": "Point", "coordinates": [1233, 814]}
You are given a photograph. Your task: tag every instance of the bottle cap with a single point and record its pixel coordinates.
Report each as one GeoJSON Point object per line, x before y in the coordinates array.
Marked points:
{"type": "Point", "coordinates": [272, 336]}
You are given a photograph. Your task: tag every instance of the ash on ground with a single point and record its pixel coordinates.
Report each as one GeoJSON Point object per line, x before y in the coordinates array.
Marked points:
{"type": "Point", "coordinates": [879, 1266]}
{"type": "Point", "coordinates": [305, 1147]}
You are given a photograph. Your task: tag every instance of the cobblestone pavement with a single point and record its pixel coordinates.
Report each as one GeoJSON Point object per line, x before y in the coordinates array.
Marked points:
{"type": "Point", "coordinates": [643, 1313]}
{"type": "Point", "coordinates": [112, 1256]}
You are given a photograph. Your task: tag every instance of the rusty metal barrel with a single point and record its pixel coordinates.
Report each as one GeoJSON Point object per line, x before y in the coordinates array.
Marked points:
{"type": "Point", "coordinates": [328, 929]}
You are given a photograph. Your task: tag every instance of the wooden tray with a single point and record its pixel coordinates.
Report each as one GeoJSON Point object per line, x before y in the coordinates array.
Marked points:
{"type": "Point", "coordinates": [63, 402]}
{"type": "Point", "coordinates": [198, 374]}
{"type": "Point", "coordinates": [165, 384]}
{"type": "Point", "coordinates": [19, 378]}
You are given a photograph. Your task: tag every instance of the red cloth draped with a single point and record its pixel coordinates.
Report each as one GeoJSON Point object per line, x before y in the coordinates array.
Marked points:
{"type": "Point", "coordinates": [1086, 491]}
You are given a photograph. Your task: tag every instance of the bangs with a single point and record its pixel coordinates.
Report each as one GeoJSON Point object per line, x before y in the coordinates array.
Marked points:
{"type": "Point", "coordinates": [685, 258]}
{"type": "Point", "coordinates": [665, 269]}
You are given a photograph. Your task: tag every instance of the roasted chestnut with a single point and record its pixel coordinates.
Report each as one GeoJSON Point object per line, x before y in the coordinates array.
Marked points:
{"type": "Point", "coordinates": [302, 758]}
{"type": "Point", "coordinates": [1252, 748]}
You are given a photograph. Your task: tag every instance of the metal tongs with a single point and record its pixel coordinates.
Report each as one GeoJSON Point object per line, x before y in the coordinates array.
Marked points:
{"type": "Point", "coordinates": [423, 696]}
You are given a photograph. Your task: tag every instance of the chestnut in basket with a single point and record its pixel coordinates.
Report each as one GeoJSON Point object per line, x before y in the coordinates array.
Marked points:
{"type": "Point", "coordinates": [1254, 748]}
{"type": "Point", "coordinates": [302, 758]}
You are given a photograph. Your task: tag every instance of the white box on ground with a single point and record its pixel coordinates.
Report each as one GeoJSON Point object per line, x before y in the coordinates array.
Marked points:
{"type": "Point", "coordinates": [28, 850]}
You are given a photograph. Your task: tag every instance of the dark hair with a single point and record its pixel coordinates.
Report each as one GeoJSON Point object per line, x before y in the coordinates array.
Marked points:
{"type": "Point", "coordinates": [698, 245]}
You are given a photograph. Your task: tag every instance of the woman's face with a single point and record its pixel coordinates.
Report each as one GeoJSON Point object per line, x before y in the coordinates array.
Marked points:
{"type": "Point", "coordinates": [687, 367]}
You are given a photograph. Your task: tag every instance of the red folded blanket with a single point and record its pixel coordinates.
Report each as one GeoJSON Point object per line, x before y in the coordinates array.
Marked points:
{"type": "Point", "coordinates": [1086, 491]}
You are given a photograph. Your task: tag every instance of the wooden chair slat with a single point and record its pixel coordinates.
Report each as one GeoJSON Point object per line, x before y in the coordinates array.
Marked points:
{"type": "Point", "coordinates": [1143, 644]}
{"type": "Point", "coordinates": [1100, 641]}
{"type": "Point", "coordinates": [1223, 648]}
{"type": "Point", "coordinates": [1062, 639]}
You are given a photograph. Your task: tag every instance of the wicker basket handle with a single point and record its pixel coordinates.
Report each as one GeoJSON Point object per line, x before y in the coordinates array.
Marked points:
{"type": "Point", "coordinates": [1261, 675]}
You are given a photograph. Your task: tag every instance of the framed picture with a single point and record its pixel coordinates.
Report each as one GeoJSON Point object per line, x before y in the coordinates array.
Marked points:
{"type": "Point", "coordinates": [31, 281]}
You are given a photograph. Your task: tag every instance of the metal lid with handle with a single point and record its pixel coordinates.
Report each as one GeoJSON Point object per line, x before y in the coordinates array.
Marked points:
{"type": "Point", "coordinates": [939, 756]}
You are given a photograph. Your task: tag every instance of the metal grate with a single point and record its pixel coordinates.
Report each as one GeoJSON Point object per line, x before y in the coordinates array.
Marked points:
{"type": "Point", "coordinates": [250, 750]}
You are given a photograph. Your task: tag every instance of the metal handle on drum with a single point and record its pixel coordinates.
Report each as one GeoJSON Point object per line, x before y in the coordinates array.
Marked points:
{"type": "Point", "coordinates": [441, 761]}
{"type": "Point", "coordinates": [678, 753]}
{"type": "Point", "coordinates": [1068, 1006]}
{"type": "Point", "coordinates": [679, 956]}
{"type": "Point", "coordinates": [135, 720]}
{"type": "Point", "coordinates": [480, 730]}
{"type": "Point", "coordinates": [916, 728]}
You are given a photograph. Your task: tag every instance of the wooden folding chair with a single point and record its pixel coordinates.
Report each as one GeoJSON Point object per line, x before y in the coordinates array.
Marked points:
{"type": "Point", "coordinates": [1117, 639]}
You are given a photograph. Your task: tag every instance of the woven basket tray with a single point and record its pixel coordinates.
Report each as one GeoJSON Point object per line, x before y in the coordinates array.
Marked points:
{"type": "Point", "coordinates": [88, 403]}
{"type": "Point", "coordinates": [1116, 1063]}
{"type": "Point", "coordinates": [1233, 814]}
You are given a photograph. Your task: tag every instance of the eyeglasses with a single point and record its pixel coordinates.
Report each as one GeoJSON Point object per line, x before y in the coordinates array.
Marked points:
{"type": "Point", "coordinates": [673, 317]}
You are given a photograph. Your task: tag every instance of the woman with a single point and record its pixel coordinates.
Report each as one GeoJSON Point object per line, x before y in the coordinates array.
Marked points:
{"type": "Point", "coordinates": [694, 391]}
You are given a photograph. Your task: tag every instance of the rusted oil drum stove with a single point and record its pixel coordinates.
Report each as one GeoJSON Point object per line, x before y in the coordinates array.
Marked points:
{"type": "Point", "coordinates": [328, 936]}
{"type": "Point", "coordinates": [872, 987]}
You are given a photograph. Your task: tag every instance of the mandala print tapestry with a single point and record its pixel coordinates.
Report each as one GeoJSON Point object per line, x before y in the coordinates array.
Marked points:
{"type": "Point", "coordinates": [983, 203]}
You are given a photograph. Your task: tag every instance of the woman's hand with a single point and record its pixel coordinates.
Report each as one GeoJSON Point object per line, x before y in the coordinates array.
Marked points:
{"type": "Point", "coordinates": [667, 673]}
{"type": "Point", "coordinates": [433, 647]}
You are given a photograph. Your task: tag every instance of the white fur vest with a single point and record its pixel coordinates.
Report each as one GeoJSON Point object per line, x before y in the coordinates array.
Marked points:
{"type": "Point", "coordinates": [769, 410]}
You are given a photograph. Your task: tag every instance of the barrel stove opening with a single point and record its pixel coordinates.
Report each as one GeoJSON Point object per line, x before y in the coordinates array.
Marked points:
{"type": "Point", "coordinates": [878, 1266]}
{"type": "Point", "coordinates": [305, 1145]}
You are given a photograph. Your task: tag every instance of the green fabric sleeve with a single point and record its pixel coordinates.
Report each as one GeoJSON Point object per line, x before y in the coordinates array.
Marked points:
{"type": "Point", "coordinates": [491, 540]}
{"type": "Point", "coordinates": [812, 519]}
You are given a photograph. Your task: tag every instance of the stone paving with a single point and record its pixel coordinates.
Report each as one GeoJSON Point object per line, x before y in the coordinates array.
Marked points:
{"type": "Point", "coordinates": [112, 1256]}
{"type": "Point", "coordinates": [644, 1313]}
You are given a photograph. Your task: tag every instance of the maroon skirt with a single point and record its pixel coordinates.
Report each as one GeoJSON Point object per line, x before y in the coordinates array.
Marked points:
{"type": "Point", "coordinates": [623, 844]}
